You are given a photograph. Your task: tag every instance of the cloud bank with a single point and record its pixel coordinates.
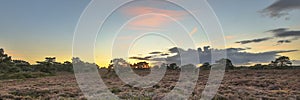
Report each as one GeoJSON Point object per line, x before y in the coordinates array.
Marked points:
{"type": "Point", "coordinates": [281, 8]}
{"type": "Point", "coordinates": [285, 32]}
{"type": "Point", "coordinates": [254, 40]}
{"type": "Point", "coordinates": [278, 33]}
{"type": "Point", "coordinates": [237, 55]}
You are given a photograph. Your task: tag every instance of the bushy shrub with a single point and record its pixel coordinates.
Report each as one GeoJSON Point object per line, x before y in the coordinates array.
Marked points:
{"type": "Point", "coordinates": [64, 68]}
{"type": "Point", "coordinates": [46, 69]}
{"type": "Point", "coordinates": [14, 69]}
{"type": "Point", "coordinates": [173, 66]}
{"type": "Point", "coordinates": [188, 68]}
{"type": "Point", "coordinates": [205, 66]}
{"type": "Point", "coordinates": [4, 68]}
{"type": "Point", "coordinates": [115, 90]}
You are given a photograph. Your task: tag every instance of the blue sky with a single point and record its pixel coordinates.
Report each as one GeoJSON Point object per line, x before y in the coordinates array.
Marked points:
{"type": "Point", "coordinates": [33, 29]}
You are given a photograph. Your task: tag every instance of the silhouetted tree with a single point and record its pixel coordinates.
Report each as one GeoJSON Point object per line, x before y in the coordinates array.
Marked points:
{"type": "Point", "coordinates": [173, 66]}
{"type": "Point", "coordinates": [120, 65]}
{"type": "Point", "coordinates": [283, 61]}
{"type": "Point", "coordinates": [48, 61]}
{"type": "Point", "coordinates": [205, 66]}
{"type": "Point", "coordinates": [76, 60]}
{"type": "Point", "coordinates": [228, 64]}
{"type": "Point", "coordinates": [273, 63]}
{"type": "Point", "coordinates": [257, 66]}
{"type": "Point", "coordinates": [21, 63]}
{"type": "Point", "coordinates": [110, 67]}
{"type": "Point", "coordinates": [48, 65]}
{"type": "Point", "coordinates": [67, 63]}
{"type": "Point", "coordinates": [6, 63]}
{"type": "Point", "coordinates": [67, 66]}
{"type": "Point", "coordinates": [140, 65]}
{"type": "Point", "coordinates": [4, 58]}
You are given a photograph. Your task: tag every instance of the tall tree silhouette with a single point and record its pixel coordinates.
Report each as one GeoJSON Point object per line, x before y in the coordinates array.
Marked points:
{"type": "Point", "coordinates": [283, 61]}
{"type": "Point", "coordinates": [4, 58]}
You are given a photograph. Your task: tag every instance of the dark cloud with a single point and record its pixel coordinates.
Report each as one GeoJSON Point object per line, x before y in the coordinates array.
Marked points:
{"type": "Point", "coordinates": [254, 40]}
{"type": "Point", "coordinates": [164, 54]}
{"type": "Point", "coordinates": [155, 52]}
{"type": "Point", "coordinates": [278, 30]}
{"type": "Point", "coordinates": [139, 58]}
{"type": "Point", "coordinates": [284, 41]}
{"type": "Point", "coordinates": [248, 48]}
{"type": "Point", "coordinates": [237, 49]}
{"type": "Point", "coordinates": [174, 50]}
{"type": "Point", "coordinates": [190, 55]}
{"type": "Point", "coordinates": [281, 8]}
{"type": "Point", "coordinates": [285, 32]}
{"type": "Point", "coordinates": [285, 51]}
{"type": "Point", "coordinates": [278, 33]}
{"type": "Point", "coordinates": [288, 34]}
{"type": "Point", "coordinates": [142, 58]}
{"type": "Point", "coordinates": [237, 55]}
{"type": "Point", "coordinates": [148, 57]}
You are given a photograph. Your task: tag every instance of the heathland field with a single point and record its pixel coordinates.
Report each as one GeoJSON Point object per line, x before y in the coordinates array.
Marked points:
{"type": "Point", "coordinates": [237, 84]}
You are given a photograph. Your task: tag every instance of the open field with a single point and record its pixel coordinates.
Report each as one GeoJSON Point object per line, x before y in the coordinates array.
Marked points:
{"type": "Point", "coordinates": [237, 84]}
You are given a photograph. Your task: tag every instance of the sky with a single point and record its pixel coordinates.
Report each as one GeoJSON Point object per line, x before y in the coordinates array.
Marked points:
{"type": "Point", "coordinates": [148, 30]}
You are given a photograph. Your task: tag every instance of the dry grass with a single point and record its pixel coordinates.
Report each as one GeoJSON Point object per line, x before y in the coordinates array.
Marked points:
{"type": "Point", "coordinates": [237, 84]}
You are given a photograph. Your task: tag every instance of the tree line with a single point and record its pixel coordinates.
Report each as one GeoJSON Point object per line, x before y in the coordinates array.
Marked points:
{"type": "Point", "coordinates": [15, 69]}
{"type": "Point", "coordinates": [10, 68]}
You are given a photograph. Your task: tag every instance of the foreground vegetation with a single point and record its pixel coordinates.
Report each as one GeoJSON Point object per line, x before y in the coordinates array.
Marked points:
{"type": "Point", "coordinates": [19, 69]}
{"type": "Point", "coordinates": [237, 84]}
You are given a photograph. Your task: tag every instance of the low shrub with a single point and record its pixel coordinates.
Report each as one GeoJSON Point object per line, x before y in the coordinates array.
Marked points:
{"type": "Point", "coordinates": [23, 75]}
{"type": "Point", "coordinates": [115, 90]}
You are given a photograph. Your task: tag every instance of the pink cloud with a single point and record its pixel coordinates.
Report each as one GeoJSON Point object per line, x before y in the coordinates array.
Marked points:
{"type": "Point", "coordinates": [150, 21]}
{"type": "Point", "coordinates": [195, 30]}
{"type": "Point", "coordinates": [145, 10]}
{"type": "Point", "coordinates": [155, 18]}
